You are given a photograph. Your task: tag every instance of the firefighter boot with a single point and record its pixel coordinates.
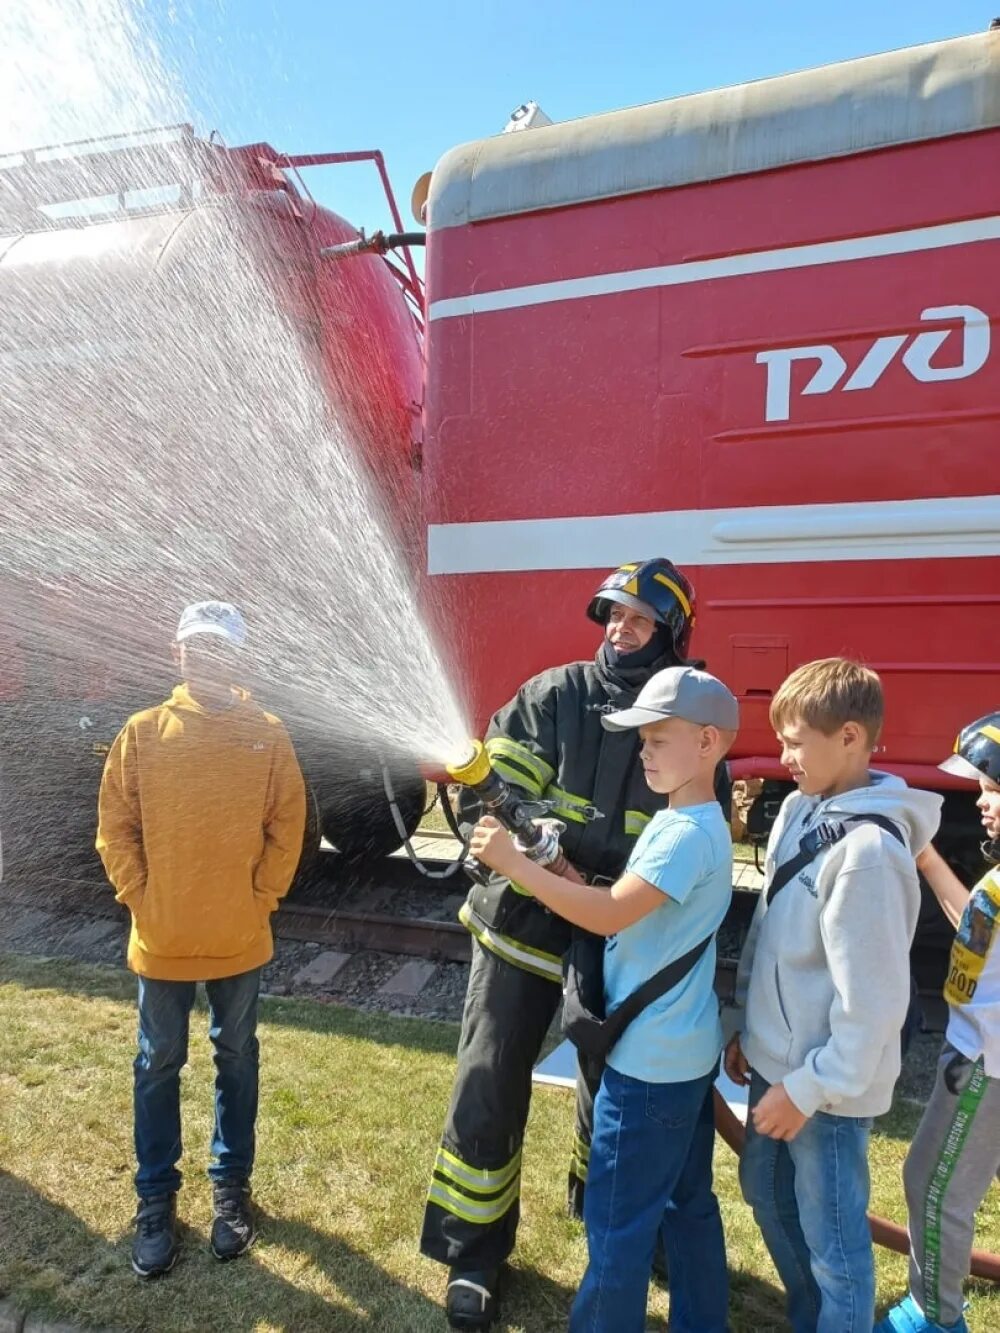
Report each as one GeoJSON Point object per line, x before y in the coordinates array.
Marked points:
{"type": "Point", "coordinates": [156, 1247]}
{"type": "Point", "coordinates": [471, 1301]}
{"type": "Point", "coordinates": [233, 1229]}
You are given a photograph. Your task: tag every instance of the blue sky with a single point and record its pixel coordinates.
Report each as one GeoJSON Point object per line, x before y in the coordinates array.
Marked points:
{"type": "Point", "coordinates": [415, 79]}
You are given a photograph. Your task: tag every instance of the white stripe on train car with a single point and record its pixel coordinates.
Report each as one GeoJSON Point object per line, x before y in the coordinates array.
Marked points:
{"type": "Point", "coordinates": [945, 528]}
{"type": "Point", "coordinates": [729, 266]}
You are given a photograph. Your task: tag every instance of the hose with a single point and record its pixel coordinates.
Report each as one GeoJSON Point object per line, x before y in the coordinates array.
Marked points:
{"type": "Point", "coordinates": [449, 813]}
{"type": "Point", "coordinates": [888, 1234]}
{"type": "Point", "coordinates": [397, 819]}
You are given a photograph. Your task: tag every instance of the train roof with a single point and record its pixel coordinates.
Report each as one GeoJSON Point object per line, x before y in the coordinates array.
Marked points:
{"type": "Point", "coordinates": [920, 92]}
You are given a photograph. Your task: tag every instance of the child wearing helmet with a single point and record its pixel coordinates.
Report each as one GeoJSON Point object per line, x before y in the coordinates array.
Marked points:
{"type": "Point", "coordinates": [955, 1153]}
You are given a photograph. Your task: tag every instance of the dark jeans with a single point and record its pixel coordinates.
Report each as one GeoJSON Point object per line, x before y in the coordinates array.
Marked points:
{"type": "Point", "coordinates": [651, 1172]}
{"type": "Point", "coordinates": [164, 1014]}
{"type": "Point", "coordinates": [809, 1197]}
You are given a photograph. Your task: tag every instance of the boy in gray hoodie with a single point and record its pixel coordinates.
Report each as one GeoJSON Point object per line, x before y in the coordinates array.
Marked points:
{"type": "Point", "coordinates": [826, 982]}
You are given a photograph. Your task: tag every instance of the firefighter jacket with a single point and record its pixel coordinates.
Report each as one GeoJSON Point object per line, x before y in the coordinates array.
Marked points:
{"type": "Point", "coordinates": [549, 742]}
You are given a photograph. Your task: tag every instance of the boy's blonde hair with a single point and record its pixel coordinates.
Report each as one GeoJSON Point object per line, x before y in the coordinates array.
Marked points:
{"type": "Point", "coordinates": [828, 693]}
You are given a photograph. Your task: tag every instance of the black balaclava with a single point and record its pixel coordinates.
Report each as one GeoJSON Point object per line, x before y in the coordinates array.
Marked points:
{"type": "Point", "coordinates": [661, 645]}
{"type": "Point", "coordinates": [626, 673]}
{"type": "Point", "coordinates": [631, 670]}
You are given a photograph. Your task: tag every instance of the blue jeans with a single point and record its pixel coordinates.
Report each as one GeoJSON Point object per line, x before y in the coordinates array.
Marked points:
{"type": "Point", "coordinates": [164, 1013]}
{"type": "Point", "coordinates": [651, 1171]}
{"type": "Point", "coordinates": [810, 1197]}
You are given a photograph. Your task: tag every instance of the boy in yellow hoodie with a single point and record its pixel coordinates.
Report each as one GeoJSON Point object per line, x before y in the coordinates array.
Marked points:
{"type": "Point", "coordinates": [201, 819]}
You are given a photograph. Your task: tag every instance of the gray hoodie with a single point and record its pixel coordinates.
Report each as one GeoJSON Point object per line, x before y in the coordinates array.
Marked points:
{"type": "Point", "coordinates": [825, 970]}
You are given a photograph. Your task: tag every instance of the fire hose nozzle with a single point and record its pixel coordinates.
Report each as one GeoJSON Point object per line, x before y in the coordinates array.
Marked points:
{"type": "Point", "coordinates": [519, 815]}
{"type": "Point", "coordinates": [378, 243]}
{"type": "Point", "coordinates": [473, 768]}
{"type": "Point", "coordinates": [346, 250]}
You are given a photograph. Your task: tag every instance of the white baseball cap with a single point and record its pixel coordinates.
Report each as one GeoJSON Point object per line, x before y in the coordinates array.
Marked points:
{"type": "Point", "coordinates": [219, 618]}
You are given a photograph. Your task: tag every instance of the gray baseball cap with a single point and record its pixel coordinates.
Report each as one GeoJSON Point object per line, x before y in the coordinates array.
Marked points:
{"type": "Point", "coordinates": [683, 692]}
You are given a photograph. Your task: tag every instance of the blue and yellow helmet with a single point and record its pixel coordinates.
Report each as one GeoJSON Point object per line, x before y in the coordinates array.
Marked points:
{"type": "Point", "coordinates": [977, 750]}
{"type": "Point", "coordinates": [654, 588]}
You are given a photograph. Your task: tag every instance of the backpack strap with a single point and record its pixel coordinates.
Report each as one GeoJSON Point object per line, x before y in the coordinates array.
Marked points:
{"type": "Point", "coordinates": [651, 989]}
{"type": "Point", "coordinates": [884, 822]}
{"type": "Point", "coordinates": [825, 834]}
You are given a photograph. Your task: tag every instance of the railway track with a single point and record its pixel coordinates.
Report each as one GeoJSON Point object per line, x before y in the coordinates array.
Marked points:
{"type": "Point", "coordinates": [389, 907]}
{"type": "Point", "coordinates": [330, 910]}
{"type": "Point", "coordinates": [342, 928]}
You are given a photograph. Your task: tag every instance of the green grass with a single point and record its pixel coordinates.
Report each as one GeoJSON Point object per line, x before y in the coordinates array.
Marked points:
{"type": "Point", "coordinates": [351, 1108]}
{"type": "Point", "coordinates": [743, 851]}
{"type": "Point", "coordinates": [434, 820]}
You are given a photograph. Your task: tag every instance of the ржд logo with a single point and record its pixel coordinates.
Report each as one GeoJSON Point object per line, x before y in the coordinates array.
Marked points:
{"type": "Point", "coordinates": [975, 335]}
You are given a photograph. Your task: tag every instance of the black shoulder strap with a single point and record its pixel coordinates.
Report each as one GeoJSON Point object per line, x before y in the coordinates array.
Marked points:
{"type": "Point", "coordinates": [884, 822]}
{"type": "Point", "coordinates": [658, 984]}
{"type": "Point", "coordinates": [825, 834]}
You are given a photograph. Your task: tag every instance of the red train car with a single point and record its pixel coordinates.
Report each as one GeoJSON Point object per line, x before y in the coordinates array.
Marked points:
{"type": "Point", "coordinates": [752, 330]}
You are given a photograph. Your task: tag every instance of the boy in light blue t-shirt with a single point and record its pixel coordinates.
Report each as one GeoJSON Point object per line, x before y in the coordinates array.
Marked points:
{"type": "Point", "coordinates": [651, 1157]}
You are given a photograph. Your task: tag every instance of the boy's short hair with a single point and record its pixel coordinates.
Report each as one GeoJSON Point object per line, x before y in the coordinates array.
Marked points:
{"type": "Point", "coordinates": [828, 693]}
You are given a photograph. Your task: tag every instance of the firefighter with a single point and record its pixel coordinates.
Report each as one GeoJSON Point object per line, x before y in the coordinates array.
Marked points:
{"type": "Point", "coordinates": [549, 742]}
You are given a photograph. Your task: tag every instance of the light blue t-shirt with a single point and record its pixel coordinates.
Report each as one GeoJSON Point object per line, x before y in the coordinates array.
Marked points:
{"type": "Point", "coordinates": [688, 855]}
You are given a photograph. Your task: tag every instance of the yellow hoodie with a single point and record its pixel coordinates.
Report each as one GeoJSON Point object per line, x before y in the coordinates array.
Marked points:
{"type": "Point", "coordinates": [201, 818]}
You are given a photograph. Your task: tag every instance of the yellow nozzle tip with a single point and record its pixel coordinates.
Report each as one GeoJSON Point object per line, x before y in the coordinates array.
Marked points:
{"type": "Point", "coordinates": [473, 767]}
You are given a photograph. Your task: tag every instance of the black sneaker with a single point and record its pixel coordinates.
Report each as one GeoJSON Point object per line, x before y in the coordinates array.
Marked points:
{"type": "Point", "coordinates": [233, 1229]}
{"type": "Point", "coordinates": [156, 1247]}
{"type": "Point", "coordinates": [472, 1301]}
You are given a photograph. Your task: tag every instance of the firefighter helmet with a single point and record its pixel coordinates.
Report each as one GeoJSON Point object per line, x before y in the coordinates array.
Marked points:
{"type": "Point", "coordinates": [977, 750]}
{"type": "Point", "coordinates": [647, 586]}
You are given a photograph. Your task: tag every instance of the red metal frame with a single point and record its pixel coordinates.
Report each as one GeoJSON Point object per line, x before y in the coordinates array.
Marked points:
{"type": "Point", "coordinates": [297, 161]}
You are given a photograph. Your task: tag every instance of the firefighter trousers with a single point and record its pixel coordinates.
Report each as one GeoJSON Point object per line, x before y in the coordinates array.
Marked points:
{"type": "Point", "coordinates": [473, 1206]}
